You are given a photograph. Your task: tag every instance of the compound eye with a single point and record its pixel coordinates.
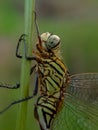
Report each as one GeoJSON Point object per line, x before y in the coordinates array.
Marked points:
{"type": "Point", "coordinates": [52, 42]}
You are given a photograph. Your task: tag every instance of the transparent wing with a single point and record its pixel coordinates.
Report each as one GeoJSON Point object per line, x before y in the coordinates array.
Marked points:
{"type": "Point", "coordinates": [80, 109]}
{"type": "Point", "coordinates": [76, 115]}
{"type": "Point", "coordinates": [84, 86]}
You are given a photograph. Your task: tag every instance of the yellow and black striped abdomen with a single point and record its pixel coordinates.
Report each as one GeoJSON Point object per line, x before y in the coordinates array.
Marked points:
{"type": "Point", "coordinates": [53, 81]}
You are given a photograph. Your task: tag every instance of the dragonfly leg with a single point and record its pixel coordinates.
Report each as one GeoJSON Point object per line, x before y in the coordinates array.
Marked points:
{"type": "Point", "coordinates": [36, 79]}
{"type": "Point", "coordinates": [9, 86]}
{"type": "Point", "coordinates": [16, 102]}
{"type": "Point", "coordinates": [36, 84]}
{"type": "Point", "coordinates": [23, 39]}
{"type": "Point", "coordinates": [37, 29]}
{"type": "Point", "coordinates": [32, 69]}
{"type": "Point", "coordinates": [17, 86]}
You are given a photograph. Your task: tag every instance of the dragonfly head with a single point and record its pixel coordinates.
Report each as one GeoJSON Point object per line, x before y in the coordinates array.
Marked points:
{"type": "Point", "coordinates": [50, 41]}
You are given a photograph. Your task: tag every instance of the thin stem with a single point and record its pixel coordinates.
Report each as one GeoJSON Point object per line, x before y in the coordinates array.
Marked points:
{"type": "Point", "coordinates": [25, 68]}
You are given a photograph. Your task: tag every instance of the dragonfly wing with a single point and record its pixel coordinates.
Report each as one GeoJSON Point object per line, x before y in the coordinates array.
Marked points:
{"type": "Point", "coordinates": [80, 109]}
{"type": "Point", "coordinates": [84, 86]}
{"type": "Point", "coordinates": [76, 115]}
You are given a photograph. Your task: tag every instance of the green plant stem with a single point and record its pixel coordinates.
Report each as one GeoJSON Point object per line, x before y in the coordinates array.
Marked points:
{"type": "Point", "coordinates": [25, 68]}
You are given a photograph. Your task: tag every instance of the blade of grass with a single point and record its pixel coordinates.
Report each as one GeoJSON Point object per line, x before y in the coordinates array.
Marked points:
{"type": "Point", "coordinates": [25, 68]}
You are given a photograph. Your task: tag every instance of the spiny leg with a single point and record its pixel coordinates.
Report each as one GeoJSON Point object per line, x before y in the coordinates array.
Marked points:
{"type": "Point", "coordinates": [36, 85]}
{"type": "Point", "coordinates": [10, 86]}
{"type": "Point", "coordinates": [37, 29]}
{"type": "Point", "coordinates": [35, 79]}
{"type": "Point", "coordinates": [16, 102]}
{"type": "Point", "coordinates": [21, 39]}
{"type": "Point", "coordinates": [24, 40]}
{"type": "Point", "coordinates": [19, 56]}
{"type": "Point", "coordinates": [17, 85]}
{"type": "Point", "coordinates": [32, 69]}
{"type": "Point", "coordinates": [23, 99]}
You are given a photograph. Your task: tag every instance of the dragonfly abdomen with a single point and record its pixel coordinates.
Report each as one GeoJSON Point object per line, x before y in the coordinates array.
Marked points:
{"type": "Point", "coordinates": [46, 109]}
{"type": "Point", "coordinates": [53, 82]}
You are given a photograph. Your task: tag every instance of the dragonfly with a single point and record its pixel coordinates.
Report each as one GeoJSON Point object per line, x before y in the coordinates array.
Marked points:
{"type": "Point", "coordinates": [64, 101]}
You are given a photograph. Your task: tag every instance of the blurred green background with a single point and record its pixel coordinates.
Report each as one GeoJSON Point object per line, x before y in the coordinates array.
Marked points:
{"type": "Point", "coordinates": [76, 22]}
